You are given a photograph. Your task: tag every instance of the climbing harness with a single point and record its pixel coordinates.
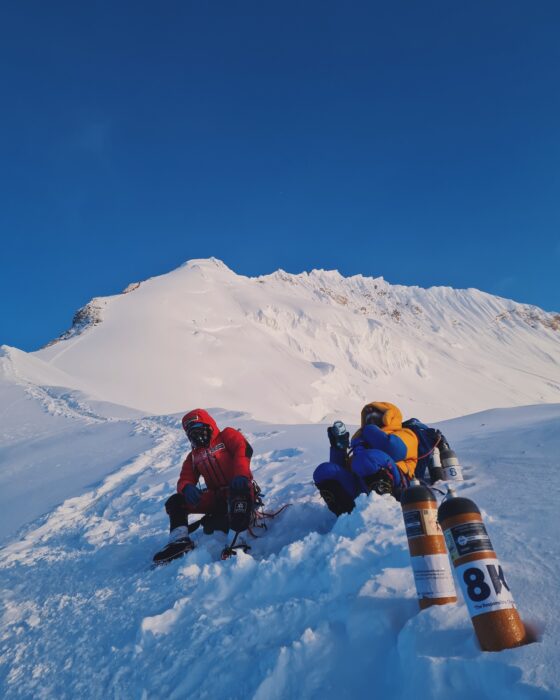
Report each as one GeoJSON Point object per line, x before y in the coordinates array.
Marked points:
{"type": "Point", "coordinates": [259, 519]}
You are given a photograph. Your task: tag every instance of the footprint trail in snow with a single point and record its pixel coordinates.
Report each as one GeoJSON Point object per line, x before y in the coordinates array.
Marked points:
{"type": "Point", "coordinates": [319, 608]}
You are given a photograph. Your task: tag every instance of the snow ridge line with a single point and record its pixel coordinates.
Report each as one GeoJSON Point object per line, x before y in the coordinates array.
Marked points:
{"type": "Point", "coordinates": [57, 401]}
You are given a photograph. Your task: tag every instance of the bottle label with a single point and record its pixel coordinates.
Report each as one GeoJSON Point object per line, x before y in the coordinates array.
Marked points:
{"type": "Point", "coordinates": [467, 538]}
{"type": "Point", "coordinates": [419, 523]}
{"type": "Point", "coordinates": [432, 576]}
{"type": "Point", "coordinates": [484, 586]}
{"type": "Point", "coordinates": [452, 473]}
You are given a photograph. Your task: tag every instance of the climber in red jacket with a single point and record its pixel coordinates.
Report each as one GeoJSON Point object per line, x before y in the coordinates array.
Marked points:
{"type": "Point", "coordinates": [222, 459]}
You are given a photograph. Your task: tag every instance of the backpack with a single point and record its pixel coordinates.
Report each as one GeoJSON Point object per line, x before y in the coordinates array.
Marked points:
{"type": "Point", "coordinates": [428, 438]}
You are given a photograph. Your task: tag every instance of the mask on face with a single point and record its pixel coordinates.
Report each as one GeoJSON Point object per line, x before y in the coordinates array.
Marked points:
{"type": "Point", "coordinates": [199, 434]}
{"type": "Point", "coordinates": [374, 417]}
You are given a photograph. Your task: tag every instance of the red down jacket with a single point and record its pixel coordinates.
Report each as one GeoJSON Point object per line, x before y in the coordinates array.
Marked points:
{"type": "Point", "coordinates": [227, 456]}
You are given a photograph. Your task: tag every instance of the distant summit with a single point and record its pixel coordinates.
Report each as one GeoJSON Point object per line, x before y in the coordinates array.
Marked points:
{"type": "Point", "coordinates": [291, 347]}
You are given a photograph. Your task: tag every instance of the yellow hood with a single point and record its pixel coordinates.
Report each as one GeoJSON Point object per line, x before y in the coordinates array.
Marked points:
{"type": "Point", "coordinates": [392, 418]}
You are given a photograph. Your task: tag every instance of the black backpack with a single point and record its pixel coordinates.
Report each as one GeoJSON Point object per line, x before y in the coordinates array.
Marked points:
{"type": "Point", "coordinates": [428, 438]}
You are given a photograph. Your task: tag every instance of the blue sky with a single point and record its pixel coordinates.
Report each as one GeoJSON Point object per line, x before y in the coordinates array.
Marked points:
{"type": "Point", "coordinates": [418, 141]}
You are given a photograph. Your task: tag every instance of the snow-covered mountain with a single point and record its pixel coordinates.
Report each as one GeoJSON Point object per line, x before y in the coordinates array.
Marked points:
{"type": "Point", "coordinates": [307, 347]}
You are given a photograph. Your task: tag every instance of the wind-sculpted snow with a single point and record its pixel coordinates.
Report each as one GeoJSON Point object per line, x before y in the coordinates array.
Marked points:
{"type": "Point", "coordinates": [319, 608]}
{"type": "Point", "coordinates": [309, 347]}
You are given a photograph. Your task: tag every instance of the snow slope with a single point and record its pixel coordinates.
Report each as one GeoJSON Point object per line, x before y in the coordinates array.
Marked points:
{"type": "Point", "coordinates": [91, 445]}
{"type": "Point", "coordinates": [292, 348]}
{"type": "Point", "coordinates": [52, 446]}
{"type": "Point", "coordinates": [320, 608]}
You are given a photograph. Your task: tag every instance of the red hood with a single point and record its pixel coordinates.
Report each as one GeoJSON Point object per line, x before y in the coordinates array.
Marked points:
{"type": "Point", "coordinates": [201, 416]}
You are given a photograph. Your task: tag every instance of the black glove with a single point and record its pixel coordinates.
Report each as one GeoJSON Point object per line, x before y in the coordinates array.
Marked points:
{"type": "Point", "coordinates": [338, 441]}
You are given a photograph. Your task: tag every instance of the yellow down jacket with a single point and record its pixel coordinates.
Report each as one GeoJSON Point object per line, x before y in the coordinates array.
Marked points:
{"type": "Point", "coordinates": [392, 419]}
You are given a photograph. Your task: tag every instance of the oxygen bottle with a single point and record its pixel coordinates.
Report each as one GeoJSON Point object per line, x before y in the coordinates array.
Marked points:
{"type": "Point", "coordinates": [450, 464]}
{"type": "Point", "coordinates": [430, 563]}
{"type": "Point", "coordinates": [490, 603]}
{"type": "Point", "coordinates": [434, 467]}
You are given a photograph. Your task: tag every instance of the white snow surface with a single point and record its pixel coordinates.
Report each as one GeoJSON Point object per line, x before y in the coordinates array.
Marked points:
{"type": "Point", "coordinates": [319, 608]}
{"type": "Point", "coordinates": [300, 348]}
{"type": "Point", "coordinates": [91, 447]}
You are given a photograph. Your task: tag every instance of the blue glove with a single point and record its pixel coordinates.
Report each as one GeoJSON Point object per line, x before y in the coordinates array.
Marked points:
{"type": "Point", "coordinates": [239, 483]}
{"type": "Point", "coordinates": [191, 494]}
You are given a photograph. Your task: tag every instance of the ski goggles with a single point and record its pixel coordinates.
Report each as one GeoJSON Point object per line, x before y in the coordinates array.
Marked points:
{"type": "Point", "coordinates": [194, 425]}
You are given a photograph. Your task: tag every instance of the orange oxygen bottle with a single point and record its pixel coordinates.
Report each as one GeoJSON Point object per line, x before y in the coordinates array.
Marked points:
{"type": "Point", "coordinates": [428, 554]}
{"type": "Point", "coordinates": [487, 594]}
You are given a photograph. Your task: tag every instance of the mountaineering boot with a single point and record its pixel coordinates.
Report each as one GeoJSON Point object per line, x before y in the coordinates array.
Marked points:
{"type": "Point", "coordinates": [335, 496]}
{"type": "Point", "coordinates": [179, 543]}
{"type": "Point", "coordinates": [381, 482]}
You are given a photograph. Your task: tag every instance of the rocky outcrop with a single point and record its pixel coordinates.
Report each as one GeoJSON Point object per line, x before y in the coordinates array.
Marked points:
{"type": "Point", "coordinates": [89, 315]}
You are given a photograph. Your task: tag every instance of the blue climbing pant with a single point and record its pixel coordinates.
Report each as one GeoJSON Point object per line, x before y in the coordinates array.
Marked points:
{"type": "Point", "coordinates": [341, 486]}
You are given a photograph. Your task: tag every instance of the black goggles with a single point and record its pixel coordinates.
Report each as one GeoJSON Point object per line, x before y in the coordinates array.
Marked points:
{"type": "Point", "coordinates": [196, 427]}
{"type": "Point", "coordinates": [192, 424]}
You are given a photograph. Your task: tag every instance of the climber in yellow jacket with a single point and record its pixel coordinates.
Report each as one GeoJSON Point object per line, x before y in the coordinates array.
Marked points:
{"type": "Point", "coordinates": [381, 457]}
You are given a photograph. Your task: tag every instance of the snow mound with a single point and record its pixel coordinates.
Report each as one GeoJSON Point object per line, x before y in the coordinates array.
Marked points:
{"type": "Point", "coordinates": [319, 607]}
